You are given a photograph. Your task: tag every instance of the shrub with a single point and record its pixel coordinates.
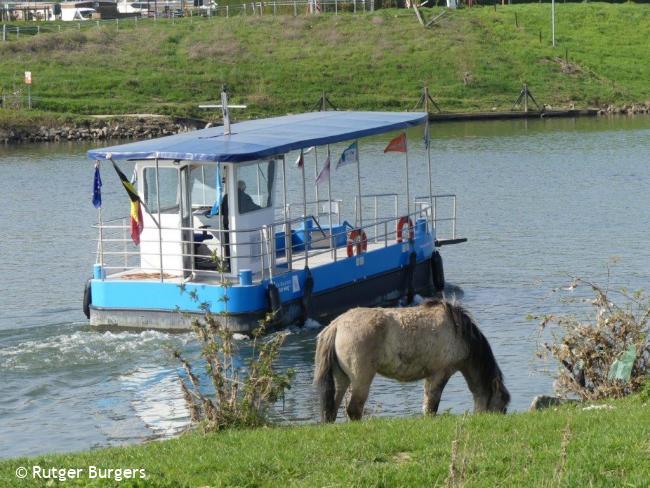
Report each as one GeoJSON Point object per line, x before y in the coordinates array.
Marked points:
{"type": "Point", "coordinates": [241, 395]}
{"type": "Point", "coordinates": [607, 355]}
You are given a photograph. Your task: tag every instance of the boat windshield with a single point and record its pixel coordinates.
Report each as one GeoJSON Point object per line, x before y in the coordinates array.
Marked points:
{"type": "Point", "coordinates": [203, 185]}
{"type": "Point", "coordinates": [255, 185]}
{"type": "Point", "coordinates": [169, 196]}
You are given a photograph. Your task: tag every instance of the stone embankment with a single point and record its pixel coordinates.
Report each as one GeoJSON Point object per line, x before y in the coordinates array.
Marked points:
{"type": "Point", "coordinates": [633, 109]}
{"type": "Point", "coordinates": [99, 129]}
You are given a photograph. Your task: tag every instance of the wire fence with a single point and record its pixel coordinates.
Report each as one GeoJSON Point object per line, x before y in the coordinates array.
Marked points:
{"type": "Point", "coordinates": [14, 31]}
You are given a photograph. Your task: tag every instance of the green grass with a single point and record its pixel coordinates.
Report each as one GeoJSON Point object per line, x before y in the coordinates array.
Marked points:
{"type": "Point", "coordinates": [475, 59]}
{"type": "Point", "coordinates": [601, 448]}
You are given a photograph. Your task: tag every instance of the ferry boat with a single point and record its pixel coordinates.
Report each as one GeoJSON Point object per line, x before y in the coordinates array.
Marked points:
{"type": "Point", "coordinates": [208, 231]}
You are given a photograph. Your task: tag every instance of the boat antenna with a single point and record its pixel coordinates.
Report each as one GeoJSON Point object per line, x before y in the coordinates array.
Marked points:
{"type": "Point", "coordinates": [224, 106]}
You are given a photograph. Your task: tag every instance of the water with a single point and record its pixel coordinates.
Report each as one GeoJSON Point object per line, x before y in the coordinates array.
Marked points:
{"type": "Point", "coordinates": [538, 200]}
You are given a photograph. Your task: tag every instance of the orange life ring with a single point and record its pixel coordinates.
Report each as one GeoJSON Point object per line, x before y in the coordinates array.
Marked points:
{"type": "Point", "coordinates": [400, 228]}
{"type": "Point", "coordinates": [357, 238]}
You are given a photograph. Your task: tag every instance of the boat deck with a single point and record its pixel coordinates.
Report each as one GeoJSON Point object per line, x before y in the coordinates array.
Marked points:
{"type": "Point", "coordinates": [315, 258]}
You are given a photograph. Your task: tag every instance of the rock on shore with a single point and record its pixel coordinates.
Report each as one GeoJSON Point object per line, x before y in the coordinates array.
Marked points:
{"type": "Point", "coordinates": [100, 129]}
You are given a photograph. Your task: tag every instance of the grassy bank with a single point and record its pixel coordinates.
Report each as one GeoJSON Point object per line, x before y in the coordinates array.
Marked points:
{"type": "Point", "coordinates": [474, 59]}
{"type": "Point", "coordinates": [565, 447]}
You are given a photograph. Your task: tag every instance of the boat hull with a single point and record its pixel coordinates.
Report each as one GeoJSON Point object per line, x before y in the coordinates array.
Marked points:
{"type": "Point", "coordinates": [381, 289]}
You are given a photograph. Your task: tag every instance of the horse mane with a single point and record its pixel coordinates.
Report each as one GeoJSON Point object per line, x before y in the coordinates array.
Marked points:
{"type": "Point", "coordinates": [480, 351]}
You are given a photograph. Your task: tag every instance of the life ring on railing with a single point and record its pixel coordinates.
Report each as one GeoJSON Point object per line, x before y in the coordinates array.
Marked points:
{"type": "Point", "coordinates": [357, 238]}
{"type": "Point", "coordinates": [400, 228]}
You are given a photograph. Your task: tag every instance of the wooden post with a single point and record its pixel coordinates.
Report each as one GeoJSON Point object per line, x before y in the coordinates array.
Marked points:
{"type": "Point", "coordinates": [525, 97]}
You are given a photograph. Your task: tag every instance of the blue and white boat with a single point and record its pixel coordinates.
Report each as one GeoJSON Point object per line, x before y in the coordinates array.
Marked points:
{"type": "Point", "coordinates": [212, 236]}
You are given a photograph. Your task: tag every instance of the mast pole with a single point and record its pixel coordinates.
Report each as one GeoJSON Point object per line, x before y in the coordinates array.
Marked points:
{"type": "Point", "coordinates": [101, 228]}
{"type": "Point", "coordinates": [359, 186]}
{"type": "Point", "coordinates": [329, 200]}
{"type": "Point", "coordinates": [159, 221]}
{"type": "Point", "coordinates": [316, 176]}
{"type": "Point", "coordinates": [304, 206]}
{"type": "Point", "coordinates": [287, 225]}
{"type": "Point", "coordinates": [428, 144]}
{"type": "Point", "coordinates": [408, 191]}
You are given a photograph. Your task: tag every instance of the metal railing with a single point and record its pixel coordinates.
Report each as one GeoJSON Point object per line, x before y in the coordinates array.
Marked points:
{"type": "Point", "coordinates": [424, 205]}
{"type": "Point", "coordinates": [269, 251]}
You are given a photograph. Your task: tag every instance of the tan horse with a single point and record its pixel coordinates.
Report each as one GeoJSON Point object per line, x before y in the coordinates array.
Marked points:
{"type": "Point", "coordinates": [432, 342]}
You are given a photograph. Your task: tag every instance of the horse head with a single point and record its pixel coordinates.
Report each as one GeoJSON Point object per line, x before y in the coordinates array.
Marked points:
{"type": "Point", "coordinates": [500, 397]}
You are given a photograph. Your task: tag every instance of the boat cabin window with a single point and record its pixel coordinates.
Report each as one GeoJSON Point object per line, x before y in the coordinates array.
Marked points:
{"type": "Point", "coordinates": [169, 197]}
{"type": "Point", "coordinates": [204, 192]}
{"type": "Point", "coordinates": [254, 186]}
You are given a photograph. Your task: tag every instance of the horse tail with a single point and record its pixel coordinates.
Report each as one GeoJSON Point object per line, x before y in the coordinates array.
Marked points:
{"type": "Point", "coordinates": [324, 372]}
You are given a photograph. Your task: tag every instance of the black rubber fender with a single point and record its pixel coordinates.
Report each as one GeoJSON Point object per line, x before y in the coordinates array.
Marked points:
{"type": "Point", "coordinates": [410, 278]}
{"type": "Point", "coordinates": [275, 304]}
{"type": "Point", "coordinates": [437, 271]}
{"type": "Point", "coordinates": [308, 289]}
{"type": "Point", "coordinates": [88, 299]}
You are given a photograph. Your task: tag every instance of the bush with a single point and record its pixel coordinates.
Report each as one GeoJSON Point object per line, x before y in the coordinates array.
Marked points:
{"type": "Point", "coordinates": [241, 396]}
{"type": "Point", "coordinates": [606, 356]}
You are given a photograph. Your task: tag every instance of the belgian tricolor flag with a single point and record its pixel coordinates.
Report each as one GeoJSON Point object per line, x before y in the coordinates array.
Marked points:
{"type": "Point", "coordinates": [137, 224]}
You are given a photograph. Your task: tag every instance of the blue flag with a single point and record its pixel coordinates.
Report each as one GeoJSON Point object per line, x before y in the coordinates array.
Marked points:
{"type": "Point", "coordinates": [349, 156]}
{"type": "Point", "coordinates": [97, 188]}
{"type": "Point", "coordinates": [219, 190]}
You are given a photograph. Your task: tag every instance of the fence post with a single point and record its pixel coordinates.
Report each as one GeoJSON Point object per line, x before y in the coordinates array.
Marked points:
{"type": "Point", "coordinates": [355, 6]}
{"type": "Point", "coordinates": [59, 27]}
{"type": "Point", "coordinates": [295, 9]}
{"type": "Point", "coordinates": [38, 29]}
{"type": "Point", "coordinates": [17, 32]}
{"type": "Point", "coordinates": [79, 26]}
{"type": "Point", "coordinates": [4, 32]}
{"type": "Point", "coordinates": [336, 7]}
{"type": "Point", "coordinates": [136, 20]}
{"type": "Point", "coordinates": [97, 21]}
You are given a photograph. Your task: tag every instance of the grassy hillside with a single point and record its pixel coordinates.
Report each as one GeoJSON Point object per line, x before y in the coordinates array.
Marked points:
{"type": "Point", "coordinates": [474, 59]}
{"type": "Point", "coordinates": [569, 447]}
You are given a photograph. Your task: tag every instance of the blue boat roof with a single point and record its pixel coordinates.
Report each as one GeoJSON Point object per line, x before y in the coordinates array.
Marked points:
{"type": "Point", "coordinates": [257, 139]}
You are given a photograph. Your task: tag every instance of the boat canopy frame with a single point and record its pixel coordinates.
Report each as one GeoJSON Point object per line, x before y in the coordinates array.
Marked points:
{"type": "Point", "coordinates": [263, 138]}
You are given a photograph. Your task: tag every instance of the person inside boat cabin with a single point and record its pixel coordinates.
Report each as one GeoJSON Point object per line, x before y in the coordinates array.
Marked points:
{"type": "Point", "coordinates": [244, 201]}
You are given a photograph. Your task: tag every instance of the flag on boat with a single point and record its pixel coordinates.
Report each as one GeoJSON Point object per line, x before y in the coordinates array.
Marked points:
{"type": "Point", "coordinates": [97, 187]}
{"type": "Point", "coordinates": [324, 173]}
{"type": "Point", "coordinates": [300, 162]}
{"type": "Point", "coordinates": [398, 144]}
{"type": "Point", "coordinates": [349, 156]}
{"type": "Point", "coordinates": [137, 222]}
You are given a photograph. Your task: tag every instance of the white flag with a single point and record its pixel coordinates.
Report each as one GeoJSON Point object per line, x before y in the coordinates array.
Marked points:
{"type": "Point", "coordinates": [324, 173]}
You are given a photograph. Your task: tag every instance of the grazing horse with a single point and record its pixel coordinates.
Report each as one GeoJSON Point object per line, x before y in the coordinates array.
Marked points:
{"type": "Point", "coordinates": [431, 342]}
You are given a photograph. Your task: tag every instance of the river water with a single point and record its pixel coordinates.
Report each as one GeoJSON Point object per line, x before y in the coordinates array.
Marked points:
{"type": "Point", "coordinates": [539, 201]}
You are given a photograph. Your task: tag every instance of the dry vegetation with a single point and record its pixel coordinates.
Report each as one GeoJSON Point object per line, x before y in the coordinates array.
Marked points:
{"type": "Point", "coordinates": [606, 355]}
